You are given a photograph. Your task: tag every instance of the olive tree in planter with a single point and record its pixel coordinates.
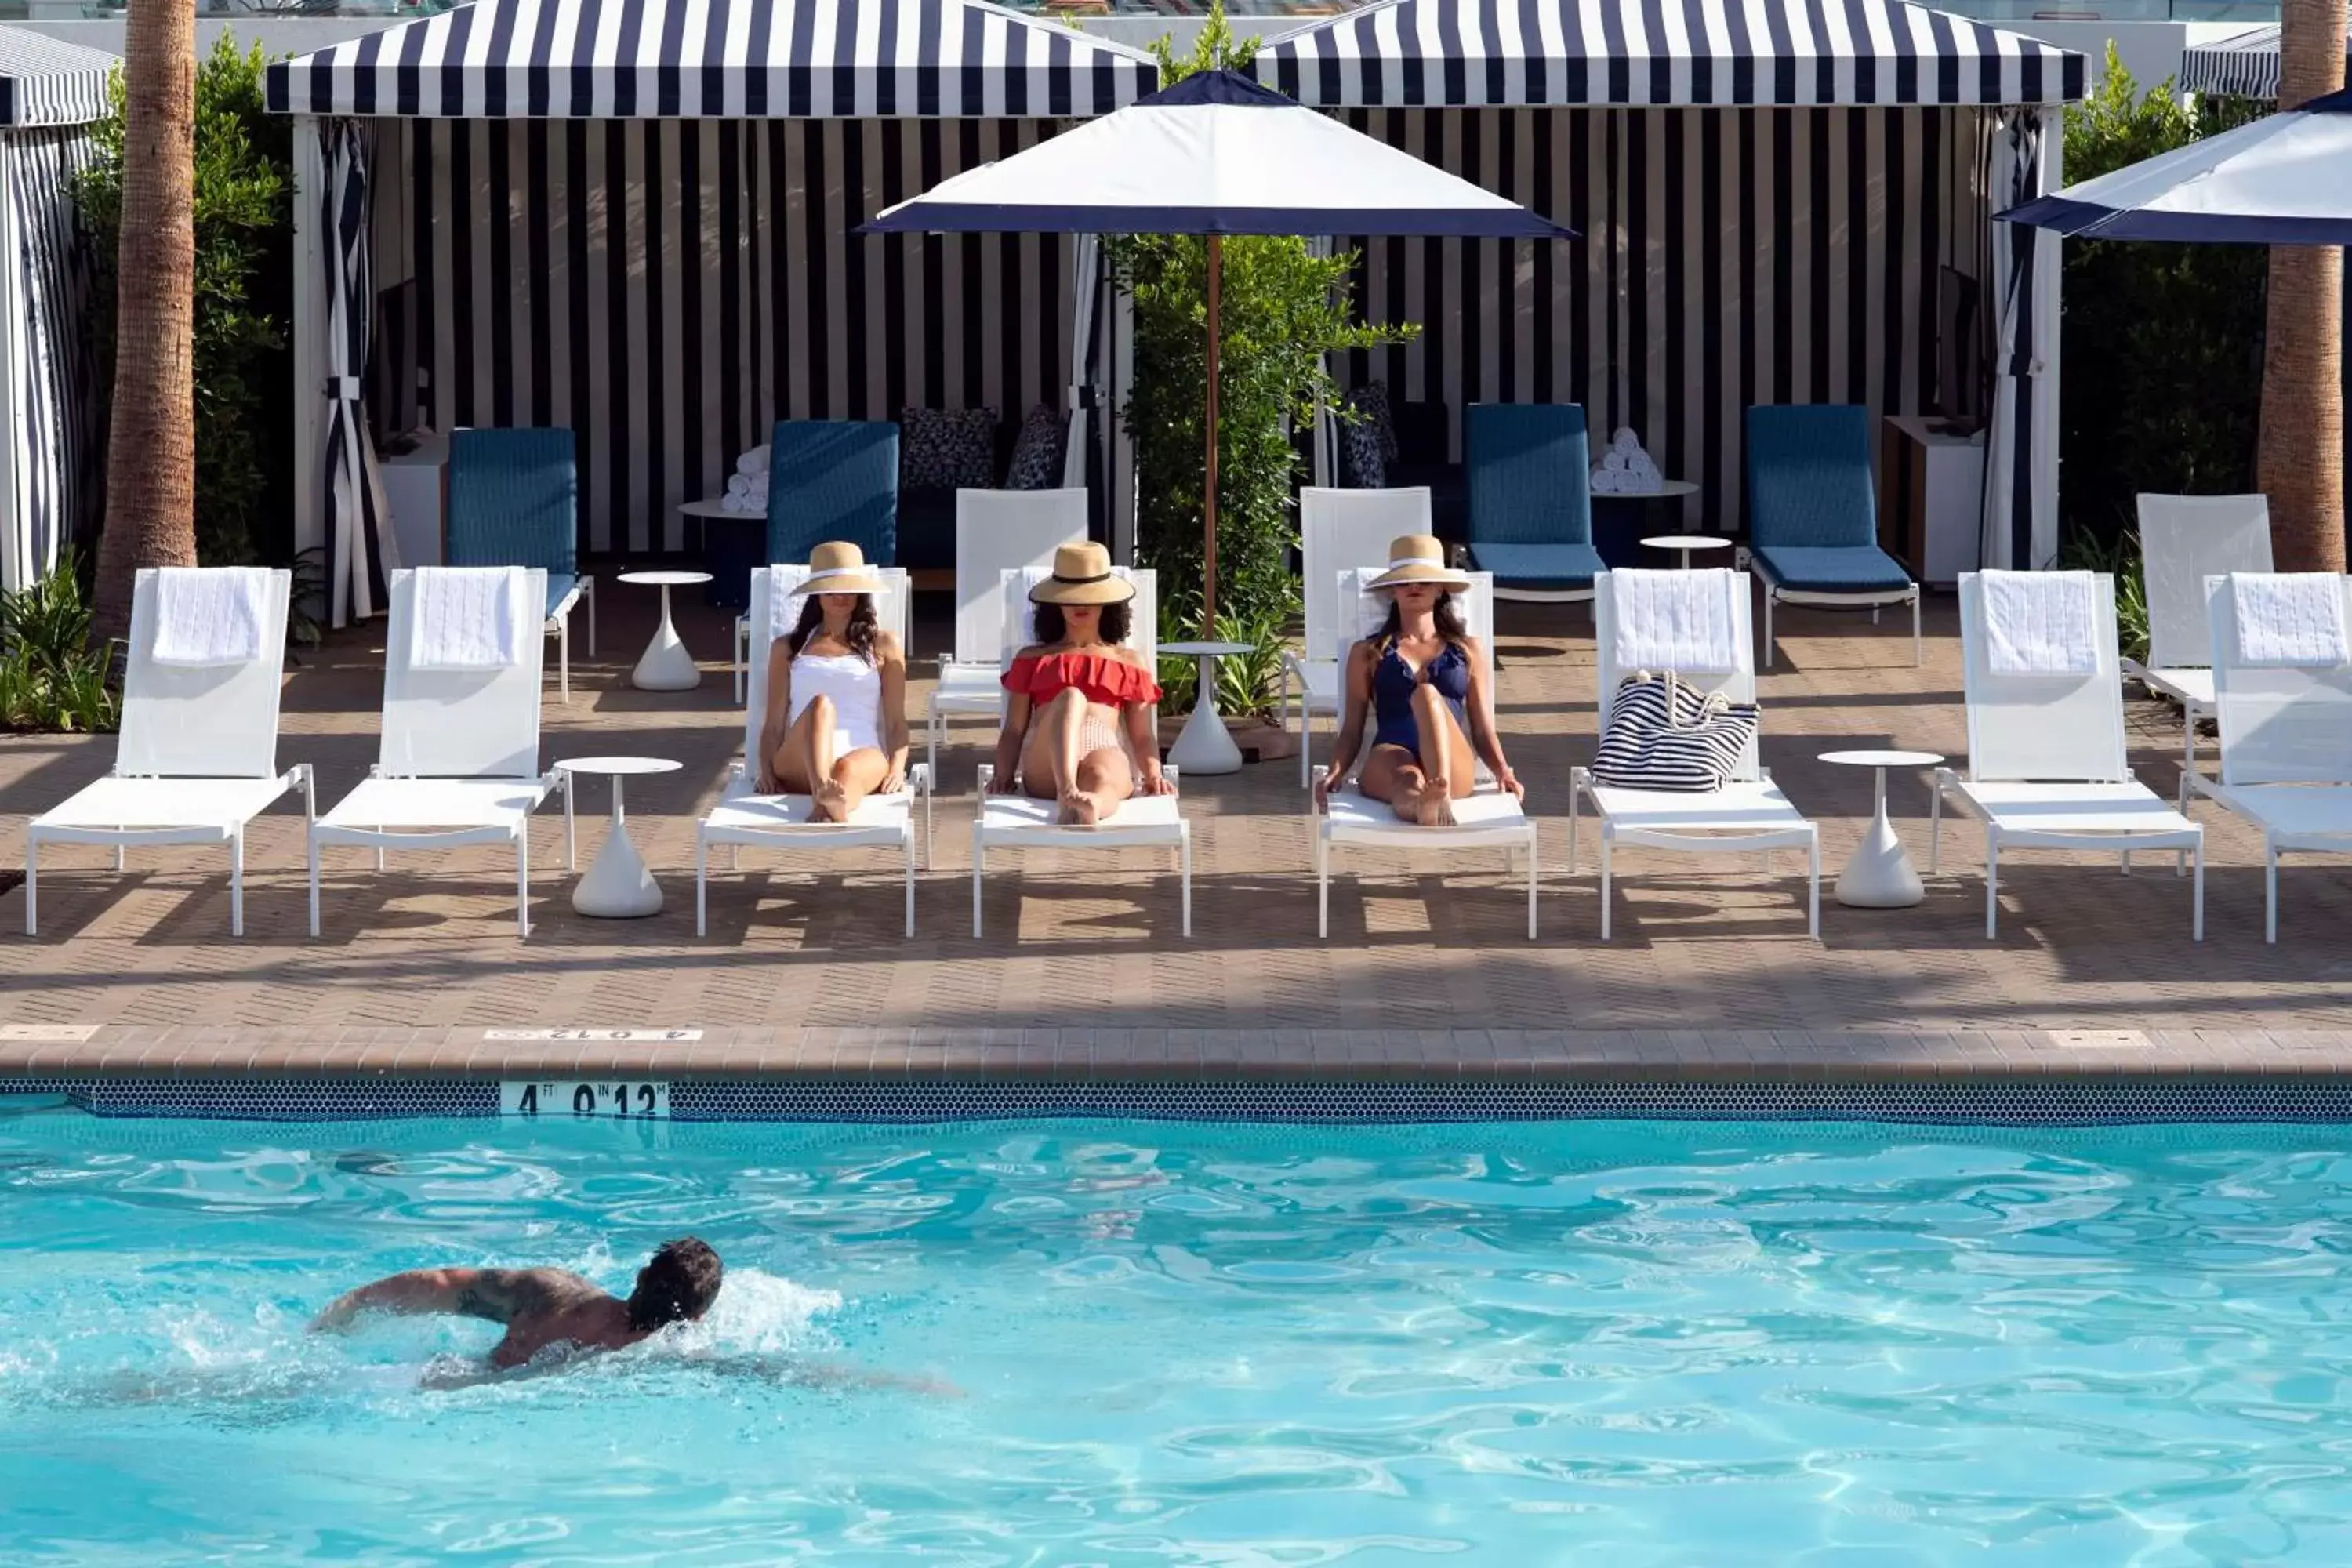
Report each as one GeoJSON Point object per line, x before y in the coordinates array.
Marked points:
{"type": "Point", "coordinates": [1283, 309]}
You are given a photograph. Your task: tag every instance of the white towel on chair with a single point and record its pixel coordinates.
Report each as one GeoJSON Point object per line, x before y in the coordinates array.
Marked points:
{"type": "Point", "coordinates": [2289, 620]}
{"type": "Point", "coordinates": [209, 616]}
{"type": "Point", "coordinates": [1684, 621]}
{"type": "Point", "coordinates": [2040, 623]}
{"type": "Point", "coordinates": [469, 617]}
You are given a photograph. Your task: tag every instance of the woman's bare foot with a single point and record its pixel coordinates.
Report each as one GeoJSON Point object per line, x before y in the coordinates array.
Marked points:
{"type": "Point", "coordinates": [1078, 809]}
{"type": "Point", "coordinates": [1435, 808]}
{"type": "Point", "coordinates": [829, 801]}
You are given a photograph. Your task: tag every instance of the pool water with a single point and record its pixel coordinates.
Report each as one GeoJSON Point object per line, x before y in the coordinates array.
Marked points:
{"type": "Point", "coordinates": [1617, 1343]}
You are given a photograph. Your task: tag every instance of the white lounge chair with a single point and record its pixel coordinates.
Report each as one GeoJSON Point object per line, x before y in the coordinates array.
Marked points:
{"type": "Point", "coordinates": [1488, 818]}
{"type": "Point", "coordinates": [996, 531]}
{"type": "Point", "coordinates": [1017, 822]}
{"type": "Point", "coordinates": [1338, 531]}
{"type": "Point", "coordinates": [1748, 814]}
{"type": "Point", "coordinates": [458, 762]}
{"type": "Point", "coordinates": [781, 821]}
{"type": "Point", "coordinates": [2047, 768]}
{"type": "Point", "coordinates": [196, 758]}
{"type": "Point", "coordinates": [2286, 749]}
{"type": "Point", "coordinates": [2183, 539]}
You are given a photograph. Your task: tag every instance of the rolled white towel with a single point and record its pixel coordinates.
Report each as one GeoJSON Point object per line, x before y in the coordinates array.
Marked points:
{"type": "Point", "coordinates": [737, 484]}
{"type": "Point", "coordinates": [1607, 481]}
{"type": "Point", "coordinates": [754, 461]}
{"type": "Point", "coordinates": [731, 501]}
{"type": "Point", "coordinates": [1614, 462]}
{"type": "Point", "coordinates": [1625, 441]}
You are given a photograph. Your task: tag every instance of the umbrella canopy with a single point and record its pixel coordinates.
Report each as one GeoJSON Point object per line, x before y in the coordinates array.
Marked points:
{"type": "Point", "coordinates": [1216, 153]}
{"type": "Point", "coordinates": [2286, 180]}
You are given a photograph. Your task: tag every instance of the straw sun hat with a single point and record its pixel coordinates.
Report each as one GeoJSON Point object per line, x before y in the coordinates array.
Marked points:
{"type": "Point", "coordinates": [1419, 558]}
{"type": "Point", "coordinates": [1082, 575]}
{"type": "Point", "coordinates": [838, 568]}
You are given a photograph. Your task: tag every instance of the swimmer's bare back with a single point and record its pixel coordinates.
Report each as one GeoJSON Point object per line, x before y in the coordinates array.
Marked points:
{"type": "Point", "coordinates": [539, 1307]}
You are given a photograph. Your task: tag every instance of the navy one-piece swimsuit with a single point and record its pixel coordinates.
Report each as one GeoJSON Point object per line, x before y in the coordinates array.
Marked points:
{"type": "Point", "coordinates": [1392, 683]}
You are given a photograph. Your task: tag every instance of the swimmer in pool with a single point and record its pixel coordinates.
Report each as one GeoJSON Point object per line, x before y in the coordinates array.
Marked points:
{"type": "Point", "coordinates": [543, 1307]}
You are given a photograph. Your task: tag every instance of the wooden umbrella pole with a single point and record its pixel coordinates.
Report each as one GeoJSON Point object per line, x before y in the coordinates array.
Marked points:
{"type": "Point", "coordinates": [1209, 495]}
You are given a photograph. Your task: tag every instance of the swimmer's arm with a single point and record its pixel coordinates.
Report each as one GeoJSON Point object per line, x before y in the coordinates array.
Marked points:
{"type": "Point", "coordinates": [494, 1295]}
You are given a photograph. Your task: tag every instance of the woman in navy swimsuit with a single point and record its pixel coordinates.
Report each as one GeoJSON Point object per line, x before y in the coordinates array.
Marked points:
{"type": "Point", "coordinates": [1422, 678]}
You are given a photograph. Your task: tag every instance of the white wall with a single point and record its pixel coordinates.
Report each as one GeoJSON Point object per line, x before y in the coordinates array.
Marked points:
{"type": "Point", "coordinates": [2149, 50]}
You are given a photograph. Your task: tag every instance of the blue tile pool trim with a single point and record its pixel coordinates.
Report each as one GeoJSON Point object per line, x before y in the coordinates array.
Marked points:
{"type": "Point", "coordinates": [2072, 1103]}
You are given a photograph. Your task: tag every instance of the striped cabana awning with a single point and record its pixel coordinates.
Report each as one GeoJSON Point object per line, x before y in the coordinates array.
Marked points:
{"type": "Point", "coordinates": [1449, 55]}
{"type": "Point", "coordinates": [732, 59]}
{"type": "Point", "coordinates": [2244, 65]}
{"type": "Point", "coordinates": [47, 82]}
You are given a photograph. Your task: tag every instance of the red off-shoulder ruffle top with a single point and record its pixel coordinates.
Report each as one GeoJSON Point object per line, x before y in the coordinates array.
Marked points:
{"type": "Point", "coordinates": [1104, 677]}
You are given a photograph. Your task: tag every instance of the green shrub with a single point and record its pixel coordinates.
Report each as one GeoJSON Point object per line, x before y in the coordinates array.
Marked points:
{"type": "Point", "coordinates": [2120, 558]}
{"type": "Point", "coordinates": [2162, 389]}
{"type": "Point", "coordinates": [50, 677]}
{"type": "Point", "coordinates": [1248, 684]}
{"type": "Point", "coordinates": [245, 217]}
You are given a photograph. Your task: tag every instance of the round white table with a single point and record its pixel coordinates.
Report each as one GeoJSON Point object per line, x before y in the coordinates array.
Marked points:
{"type": "Point", "coordinates": [665, 666]}
{"type": "Point", "coordinates": [1205, 746]}
{"type": "Point", "coordinates": [616, 885]}
{"type": "Point", "coordinates": [1880, 877]}
{"type": "Point", "coordinates": [1686, 543]}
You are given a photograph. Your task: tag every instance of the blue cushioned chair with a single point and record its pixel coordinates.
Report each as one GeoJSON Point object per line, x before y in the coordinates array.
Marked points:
{"type": "Point", "coordinates": [827, 480]}
{"type": "Point", "coordinates": [1527, 484]}
{"type": "Point", "coordinates": [1812, 515]}
{"type": "Point", "coordinates": [514, 501]}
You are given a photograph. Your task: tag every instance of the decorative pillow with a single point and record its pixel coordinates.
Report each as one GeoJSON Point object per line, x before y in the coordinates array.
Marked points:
{"type": "Point", "coordinates": [1361, 467]}
{"type": "Point", "coordinates": [1665, 735]}
{"type": "Point", "coordinates": [946, 449]}
{"type": "Point", "coordinates": [1372, 401]}
{"type": "Point", "coordinates": [1036, 462]}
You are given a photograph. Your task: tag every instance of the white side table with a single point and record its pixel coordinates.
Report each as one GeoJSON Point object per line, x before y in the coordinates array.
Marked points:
{"type": "Point", "coordinates": [1684, 542]}
{"type": "Point", "coordinates": [665, 666]}
{"type": "Point", "coordinates": [1205, 746]}
{"type": "Point", "coordinates": [1880, 877]}
{"type": "Point", "coordinates": [616, 885]}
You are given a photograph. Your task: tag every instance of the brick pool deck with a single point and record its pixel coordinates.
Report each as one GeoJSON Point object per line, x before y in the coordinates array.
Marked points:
{"type": "Point", "coordinates": [1427, 972]}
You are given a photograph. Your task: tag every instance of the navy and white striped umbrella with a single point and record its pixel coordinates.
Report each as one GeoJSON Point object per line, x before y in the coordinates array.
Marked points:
{"type": "Point", "coordinates": [2286, 180]}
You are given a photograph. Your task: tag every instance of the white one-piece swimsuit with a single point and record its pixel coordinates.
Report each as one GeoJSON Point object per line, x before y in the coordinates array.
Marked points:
{"type": "Point", "coordinates": [855, 687]}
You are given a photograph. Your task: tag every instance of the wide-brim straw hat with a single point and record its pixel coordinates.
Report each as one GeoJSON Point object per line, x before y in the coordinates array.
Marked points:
{"type": "Point", "coordinates": [1082, 575]}
{"type": "Point", "coordinates": [1419, 558]}
{"type": "Point", "coordinates": [839, 568]}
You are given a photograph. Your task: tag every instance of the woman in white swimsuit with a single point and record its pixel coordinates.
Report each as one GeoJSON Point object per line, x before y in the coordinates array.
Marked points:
{"type": "Point", "coordinates": [836, 725]}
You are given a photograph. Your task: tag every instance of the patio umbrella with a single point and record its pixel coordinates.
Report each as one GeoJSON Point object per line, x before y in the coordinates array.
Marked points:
{"type": "Point", "coordinates": [1215, 154]}
{"type": "Point", "coordinates": [2286, 180]}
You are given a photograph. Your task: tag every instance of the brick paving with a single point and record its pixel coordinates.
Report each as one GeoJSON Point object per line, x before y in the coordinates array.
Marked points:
{"type": "Point", "coordinates": [1710, 964]}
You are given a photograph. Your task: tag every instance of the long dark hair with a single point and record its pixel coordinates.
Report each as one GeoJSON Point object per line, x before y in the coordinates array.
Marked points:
{"type": "Point", "coordinates": [1447, 615]}
{"type": "Point", "coordinates": [1116, 621]}
{"type": "Point", "coordinates": [858, 633]}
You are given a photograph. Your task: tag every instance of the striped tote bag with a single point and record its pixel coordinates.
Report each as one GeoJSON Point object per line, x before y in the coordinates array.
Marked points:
{"type": "Point", "coordinates": [1665, 735]}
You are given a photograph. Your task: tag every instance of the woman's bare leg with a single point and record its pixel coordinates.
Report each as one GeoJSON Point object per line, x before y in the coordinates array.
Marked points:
{"type": "Point", "coordinates": [1104, 778]}
{"type": "Point", "coordinates": [1445, 759]}
{"type": "Point", "coordinates": [803, 764]}
{"type": "Point", "coordinates": [854, 777]}
{"type": "Point", "coordinates": [1049, 762]}
{"type": "Point", "coordinates": [1392, 773]}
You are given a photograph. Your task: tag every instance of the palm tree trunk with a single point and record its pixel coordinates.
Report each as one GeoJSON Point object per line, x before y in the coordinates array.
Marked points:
{"type": "Point", "coordinates": [2301, 463]}
{"type": "Point", "coordinates": [151, 458]}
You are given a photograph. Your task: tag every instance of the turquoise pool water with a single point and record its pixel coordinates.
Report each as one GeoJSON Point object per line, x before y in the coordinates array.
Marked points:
{"type": "Point", "coordinates": [1614, 1343]}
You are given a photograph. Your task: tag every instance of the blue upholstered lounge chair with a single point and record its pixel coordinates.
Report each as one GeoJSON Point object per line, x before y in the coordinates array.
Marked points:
{"type": "Point", "coordinates": [1812, 515]}
{"type": "Point", "coordinates": [1527, 481]}
{"type": "Point", "coordinates": [514, 501]}
{"type": "Point", "coordinates": [827, 480]}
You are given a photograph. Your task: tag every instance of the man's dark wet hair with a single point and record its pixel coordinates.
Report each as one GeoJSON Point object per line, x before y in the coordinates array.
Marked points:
{"type": "Point", "coordinates": [678, 1285]}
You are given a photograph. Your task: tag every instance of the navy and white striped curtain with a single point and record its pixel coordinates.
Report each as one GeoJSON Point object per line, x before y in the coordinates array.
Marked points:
{"type": "Point", "coordinates": [2020, 520]}
{"type": "Point", "coordinates": [360, 555]}
{"type": "Point", "coordinates": [56, 440]}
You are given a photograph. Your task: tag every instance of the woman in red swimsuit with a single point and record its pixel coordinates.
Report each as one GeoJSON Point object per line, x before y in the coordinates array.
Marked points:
{"type": "Point", "coordinates": [1072, 692]}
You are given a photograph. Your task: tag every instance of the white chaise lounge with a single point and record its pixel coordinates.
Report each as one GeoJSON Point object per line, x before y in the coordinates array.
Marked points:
{"type": "Point", "coordinates": [1338, 531]}
{"type": "Point", "coordinates": [2047, 768]}
{"type": "Point", "coordinates": [2184, 540]}
{"type": "Point", "coordinates": [996, 531]}
{"type": "Point", "coordinates": [2286, 745]}
{"type": "Point", "coordinates": [1017, 822]}
{"type": "Point", "coordinates": [1748, 814]}
{"type": "Point", "coordinates": [1488, 818]}
{"type": "Point", "coordinates": [743, 816]}
{"type": "Point", "coordinates": [196, 758]}
{"type": "Point", "coordinates": [458, 762]}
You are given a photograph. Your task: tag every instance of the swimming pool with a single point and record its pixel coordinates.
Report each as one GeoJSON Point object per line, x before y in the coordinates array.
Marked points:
{"type": "Point", "coordinates": [1619, 1342]}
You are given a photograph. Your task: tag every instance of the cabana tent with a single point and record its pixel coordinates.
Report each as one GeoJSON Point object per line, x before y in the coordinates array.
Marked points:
{"type": "Point", "coordinates": [2244, 65]}
{"type": "Point", "coordinates": [49, 92]}
{"type": "Point", "coordinates": [637, 219]}
{"type": "Point", "coordinates": [1769, 194]}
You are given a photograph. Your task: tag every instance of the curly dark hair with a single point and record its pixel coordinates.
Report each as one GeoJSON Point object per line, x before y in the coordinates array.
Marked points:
{"type": "Point", "coordinates": [1448, 616]}
{"type": "Point", "coordinates": [860, 633]}
{"type": "Point", "coordinates": [678, 1285]}
{"type": "Point", "coordinates": [1117, 621]}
